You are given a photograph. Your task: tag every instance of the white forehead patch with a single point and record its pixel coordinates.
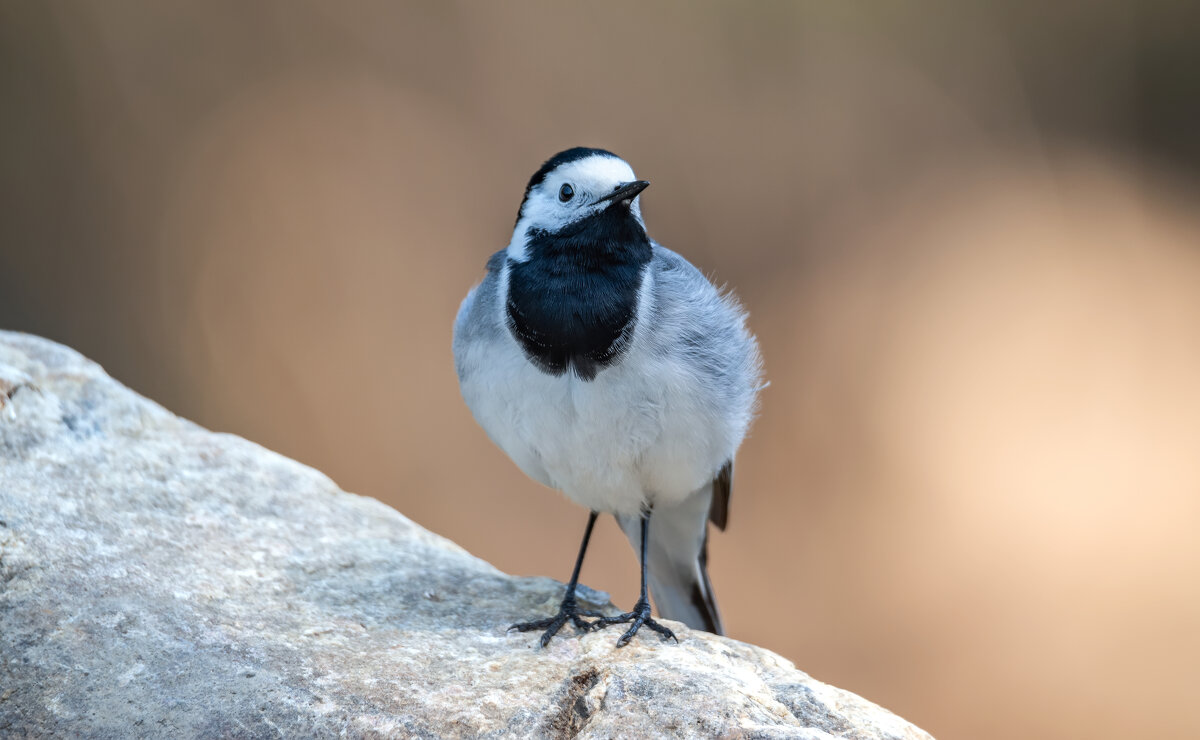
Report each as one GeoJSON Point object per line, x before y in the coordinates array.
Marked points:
{"type": "Point", "coordinates": [590, 178]}
{"type": "Point", "coordinates": [596, 172]}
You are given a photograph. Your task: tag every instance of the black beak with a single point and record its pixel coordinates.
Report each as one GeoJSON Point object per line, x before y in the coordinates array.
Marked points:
{"type": "Point", "coordinates": [625, 192]}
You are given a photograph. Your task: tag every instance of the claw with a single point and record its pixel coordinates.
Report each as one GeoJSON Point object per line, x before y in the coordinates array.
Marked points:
{"type": "Point", "coordinates": [569, 609]}
{"type": "Point", "coordinates": [640, 616]}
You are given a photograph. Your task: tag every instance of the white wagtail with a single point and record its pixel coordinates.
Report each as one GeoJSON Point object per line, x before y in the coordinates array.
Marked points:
{"type": "Point", "coordinates": [608, 367]}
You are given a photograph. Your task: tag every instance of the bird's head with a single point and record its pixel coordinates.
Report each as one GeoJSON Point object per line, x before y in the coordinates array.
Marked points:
{"type": "Point", "coordinates": [578, 191]}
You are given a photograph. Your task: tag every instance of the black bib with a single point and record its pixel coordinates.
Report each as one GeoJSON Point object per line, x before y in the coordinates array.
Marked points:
{"type": "Point", "coordinates": [573, 303]}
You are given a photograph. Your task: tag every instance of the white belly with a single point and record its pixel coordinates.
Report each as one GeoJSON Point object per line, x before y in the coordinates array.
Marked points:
{"type": "Point", "coordinates": [641, 432]}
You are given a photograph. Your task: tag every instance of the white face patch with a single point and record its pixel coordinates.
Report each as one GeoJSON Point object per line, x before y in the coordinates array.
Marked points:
{"type": "Point", "coordinates": [590, 179]}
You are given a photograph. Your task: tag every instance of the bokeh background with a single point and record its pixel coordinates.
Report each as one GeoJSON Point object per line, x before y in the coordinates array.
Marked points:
{"type": "Point", "coordinates": [967, 234]}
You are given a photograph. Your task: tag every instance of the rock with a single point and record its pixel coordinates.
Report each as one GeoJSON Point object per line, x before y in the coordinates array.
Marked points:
{"type": "Point", "coordinates": [157, 579]}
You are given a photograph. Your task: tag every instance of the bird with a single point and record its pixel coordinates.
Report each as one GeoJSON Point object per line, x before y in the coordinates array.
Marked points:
{"type": "Point", "coordinates": [608, 367]}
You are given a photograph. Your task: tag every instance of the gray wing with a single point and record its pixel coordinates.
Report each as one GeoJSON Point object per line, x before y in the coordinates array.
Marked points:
{"type": "Point", "coordinates": [694, 318]}
{"type": "Point", "coordinates": [476, 320]}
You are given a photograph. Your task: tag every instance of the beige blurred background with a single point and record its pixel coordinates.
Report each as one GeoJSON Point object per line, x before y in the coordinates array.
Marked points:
{"type": "Point", "coordinates": [968, 236]}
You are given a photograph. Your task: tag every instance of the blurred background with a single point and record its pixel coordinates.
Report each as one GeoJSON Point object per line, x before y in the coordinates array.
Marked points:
{"type": "Point", "coordinates": [967, 233]}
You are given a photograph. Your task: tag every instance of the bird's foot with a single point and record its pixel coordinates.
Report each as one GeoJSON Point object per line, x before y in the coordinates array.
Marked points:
{"type": "Point", "coordinates": [568, 610]}
{"type": "Point", "coordinates": [639, 616]}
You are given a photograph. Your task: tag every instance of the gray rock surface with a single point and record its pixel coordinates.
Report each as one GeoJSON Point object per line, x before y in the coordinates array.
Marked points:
{"type": "Point", "coordinates": [160, 580]}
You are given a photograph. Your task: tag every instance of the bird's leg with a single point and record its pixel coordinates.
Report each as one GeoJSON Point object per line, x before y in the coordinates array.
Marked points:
{"type": "Point", "coordinates": [569, 609]}
{"type": "Point", "coordinates": [641, 610]}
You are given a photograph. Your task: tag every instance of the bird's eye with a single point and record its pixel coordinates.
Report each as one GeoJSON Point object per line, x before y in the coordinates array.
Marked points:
{"type": "Point", "coordinates": [566, 192]}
